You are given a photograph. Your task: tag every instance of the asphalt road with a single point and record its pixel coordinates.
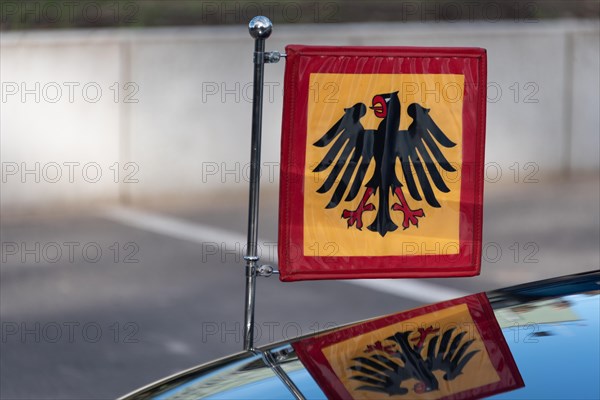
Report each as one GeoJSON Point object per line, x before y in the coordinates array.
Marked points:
{"type": "Point", "coordinates": [95, 305]}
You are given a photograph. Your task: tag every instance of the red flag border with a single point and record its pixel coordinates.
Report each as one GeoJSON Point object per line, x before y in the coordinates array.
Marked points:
{"type": "Point", "coordinates": [304, 60]}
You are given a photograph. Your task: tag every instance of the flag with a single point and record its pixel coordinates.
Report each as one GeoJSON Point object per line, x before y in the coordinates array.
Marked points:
{"type": "Point", "coordinates": [450, 350]}
{"type": "Point", "coordinates": [382, 162]}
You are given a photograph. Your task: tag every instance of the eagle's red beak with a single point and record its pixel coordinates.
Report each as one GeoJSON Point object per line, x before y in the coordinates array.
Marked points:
{"type": "Point", "coordinates": [379, 107]}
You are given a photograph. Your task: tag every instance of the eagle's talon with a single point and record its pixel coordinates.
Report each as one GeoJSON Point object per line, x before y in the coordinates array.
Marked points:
{"type": "Point", "coordinates": [410, 216]}
{"type": "Point", "coordinates": [356, 215]}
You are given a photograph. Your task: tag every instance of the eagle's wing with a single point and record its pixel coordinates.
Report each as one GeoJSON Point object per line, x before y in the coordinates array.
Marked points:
{"type": "Point", "coordinates": [380, 373]}
{"type": "Point", "coordinates": [418, 148]}
{"type": "Point", "coordinates": [351, 148]}
{"type": "Point", "coordinates": [450, 356]}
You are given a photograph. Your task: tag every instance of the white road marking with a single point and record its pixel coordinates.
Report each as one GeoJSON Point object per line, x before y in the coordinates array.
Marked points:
{"type": "Point", "coordinates": [407, 288]}
{"type": "Point", "coordinates": [177, 347]}
{"type": "Point", "coordinates": [173, 227]}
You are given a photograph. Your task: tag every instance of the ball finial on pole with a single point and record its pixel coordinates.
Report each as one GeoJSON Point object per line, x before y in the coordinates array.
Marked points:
{"type": "Point", "coordinates": [260, 27]}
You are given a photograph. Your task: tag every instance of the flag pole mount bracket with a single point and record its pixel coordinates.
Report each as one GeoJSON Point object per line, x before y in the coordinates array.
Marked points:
{"type": "Point", "coordinates": [266, 271]}
{"type": "Point", "coordinates": [273, 57]}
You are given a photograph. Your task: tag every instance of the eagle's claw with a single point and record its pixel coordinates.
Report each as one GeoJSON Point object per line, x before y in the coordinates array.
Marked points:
{"type": "Point", "coordinates": [410, 216]}
{"type": "Point", "coordinates": [356, 215]}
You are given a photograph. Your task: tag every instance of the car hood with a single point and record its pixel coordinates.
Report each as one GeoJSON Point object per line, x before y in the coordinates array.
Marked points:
{"type": "Point", "coordinates": [551, 328]}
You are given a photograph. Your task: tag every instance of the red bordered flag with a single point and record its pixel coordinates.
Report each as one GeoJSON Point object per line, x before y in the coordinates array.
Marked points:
{"type": "Point", "coordinates": [450, 350]}
{"type": "Point", "coordinates": [382, 162]}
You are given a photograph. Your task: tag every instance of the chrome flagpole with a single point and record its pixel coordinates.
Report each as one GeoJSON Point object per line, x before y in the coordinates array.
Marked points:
{"type": "Point", "coordinates": [260, 29]}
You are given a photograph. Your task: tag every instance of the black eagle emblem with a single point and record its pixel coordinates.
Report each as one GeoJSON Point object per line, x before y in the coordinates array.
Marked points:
{"type": "Point", "coordinates": [353, 148]}
{"type": "Point", "coordinates": [384, 368]}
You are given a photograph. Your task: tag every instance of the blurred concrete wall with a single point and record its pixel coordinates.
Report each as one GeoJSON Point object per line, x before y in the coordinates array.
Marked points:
{"type": "Point", "coordinates": [134, 116]}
